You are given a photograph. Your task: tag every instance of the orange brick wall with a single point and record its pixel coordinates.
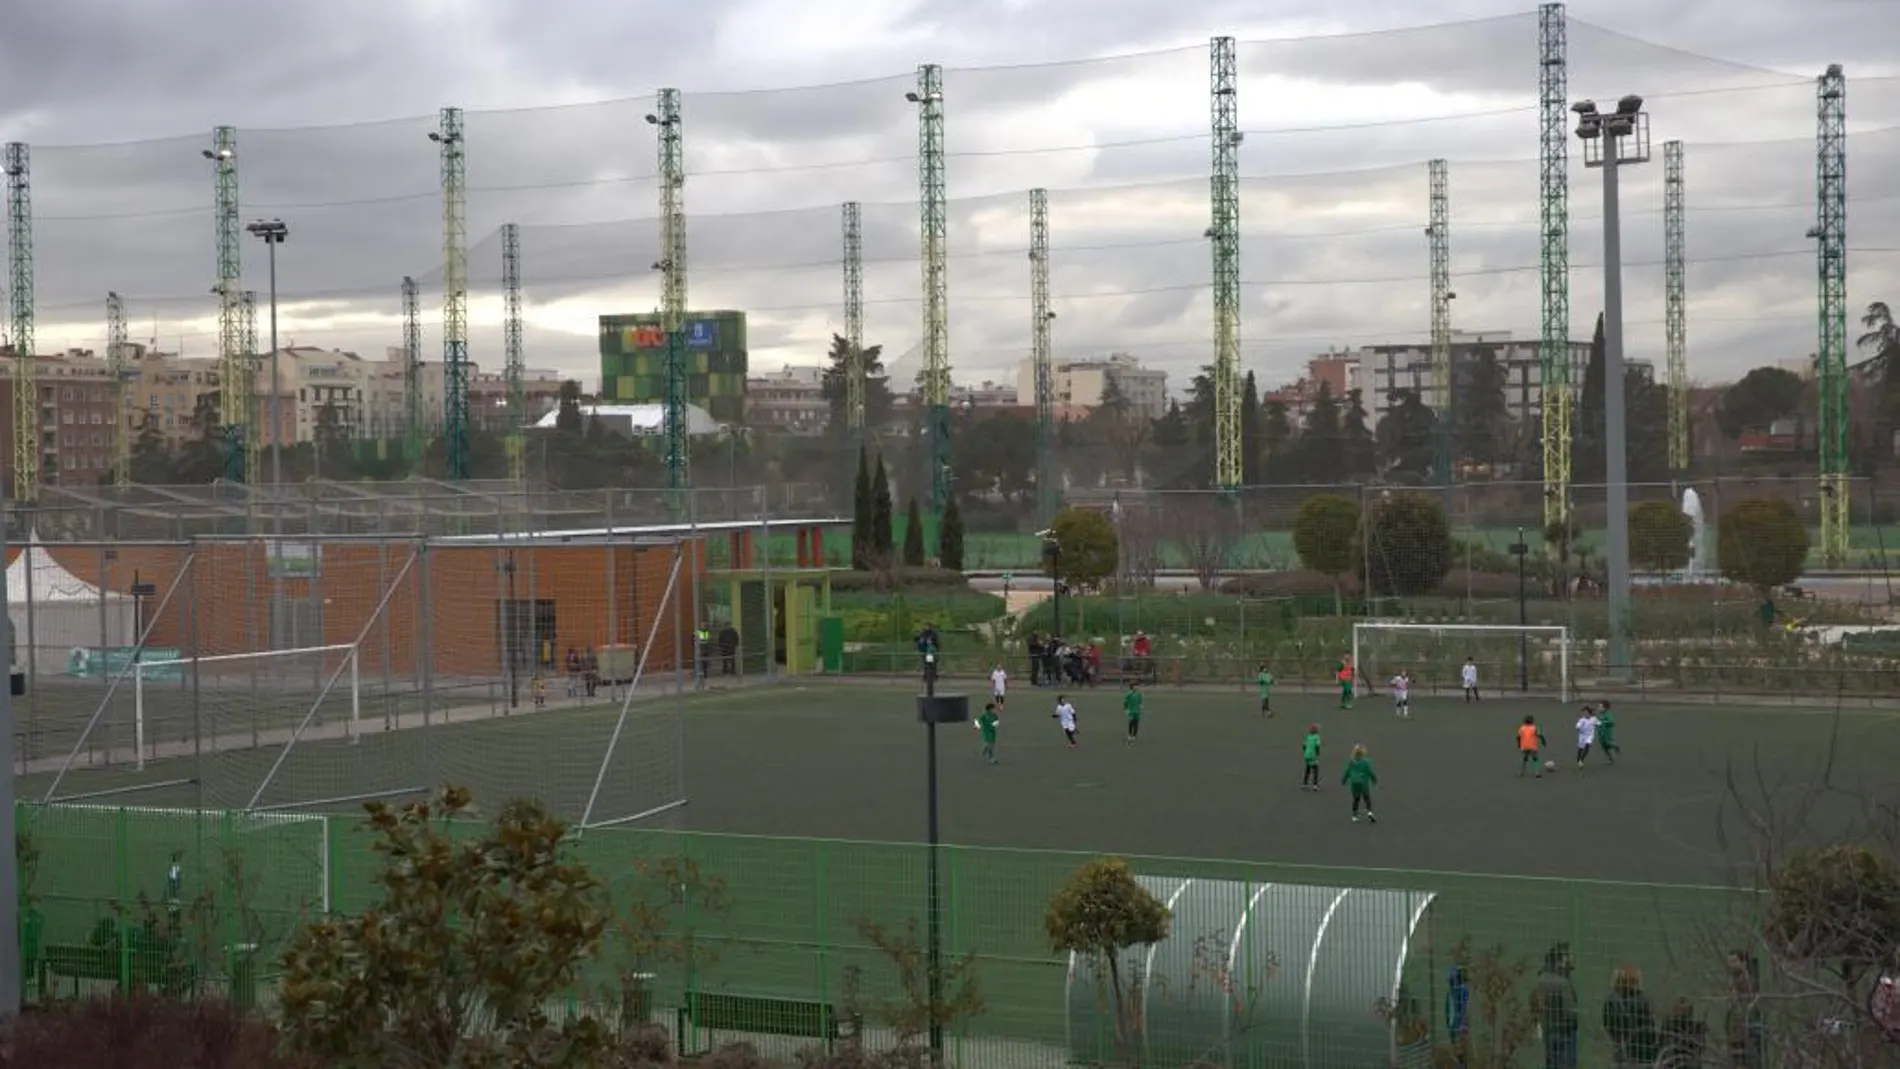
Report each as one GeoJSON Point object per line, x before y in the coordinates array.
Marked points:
{"type": "Point", "coordinates": [599, 593]}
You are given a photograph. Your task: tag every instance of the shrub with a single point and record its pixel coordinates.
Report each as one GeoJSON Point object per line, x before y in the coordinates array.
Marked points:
{"type": "Point", "coordinates": [143, 1032]}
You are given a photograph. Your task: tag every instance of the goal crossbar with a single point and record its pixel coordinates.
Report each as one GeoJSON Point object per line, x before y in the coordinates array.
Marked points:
{"type": "Point", "coordinates": [1552, 633]}
{"type": "Point", "coordinates": [351, 663]}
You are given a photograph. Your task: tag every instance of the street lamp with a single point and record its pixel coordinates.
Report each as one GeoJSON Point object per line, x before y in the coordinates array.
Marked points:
{"type": "Point", "coordinates": [1611, 141]}
{"type": "Point", "coordinates": [1052, 553]}
{"type": "Point", "coordinates": [934, 709]}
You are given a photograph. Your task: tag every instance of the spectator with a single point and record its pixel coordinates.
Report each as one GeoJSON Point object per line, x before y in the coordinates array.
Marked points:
{"type": "Point", "coordinates": [1094, 657]}
{"type": "Point", "coordinates": [927, 639]}
{"type": "Point", "coordinates": [1684, 1038]}
{"type": "Point", "coordinates": [1743, 1030]}
{"type": "Point", "coordinates": [1458, 1011]}
{"type": "Point", "coordinates": [1554, 1006]}
{"type": "Point", "coordinates": [590, 671]}
{"type": "Point", "coordinates": [729, 650]}
{"type": "Point", "coordinates": [573, 671]}
{"type": "Point", "coordinates": [702, 646]}
{"type": "Point", "coordinates": [1035, 659]}
{"type": "Point", "coordinates": [1629, 1020]}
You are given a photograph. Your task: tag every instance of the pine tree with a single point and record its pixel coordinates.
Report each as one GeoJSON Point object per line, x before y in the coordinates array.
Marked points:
{"type": "Point", "coordinates": [882, 517]}
{"type": "Point", "coordinates": [1250, 445]}
{"type": "Point", "coordinates": [913, 536]}
{"type": "Point", "coordinates": [863, 507]}
{"type": "Point", "coordinates": [950, 538]}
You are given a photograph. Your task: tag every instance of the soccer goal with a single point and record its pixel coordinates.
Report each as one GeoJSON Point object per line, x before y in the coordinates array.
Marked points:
{"type": "Point", "coordinates": [1505, 655]}
{"type": "Point", "coordinates": [237, 700]}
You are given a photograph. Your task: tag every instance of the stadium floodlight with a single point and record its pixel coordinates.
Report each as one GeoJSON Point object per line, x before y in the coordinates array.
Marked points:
{"type": "Point", "coordinates": [1612, 141]}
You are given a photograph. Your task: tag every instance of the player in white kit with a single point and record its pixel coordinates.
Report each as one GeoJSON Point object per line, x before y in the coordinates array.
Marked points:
{"type": "Point", "coordinates": [1586, 733]}
{"type": "Point", "coordinates": [1065, 715]}
{"type": "Point", "coordinates": [1402, 694]}
{"type": "Point", "coordinates": [1468, 675]}
{"type": "Point", "coordinates": [999, 685]}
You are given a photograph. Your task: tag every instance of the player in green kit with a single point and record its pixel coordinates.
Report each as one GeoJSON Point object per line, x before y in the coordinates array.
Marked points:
{"type": "Point", "coordinates": [986, 727]}
{"type": "Point", "coordinates": [1360, 777]}
{"type": "Point", "coordinates": [1309, 751]}
{"type": "Point", "coordinates": [1265, 679]}
{"type": "Point", "coordinates": [1606, 733]}
{"type": "Point", "coordinates": [1131, 704]}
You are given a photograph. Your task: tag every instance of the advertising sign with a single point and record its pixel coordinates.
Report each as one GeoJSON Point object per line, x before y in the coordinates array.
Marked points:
{"type": "Point", "coordinates": [96, 662]}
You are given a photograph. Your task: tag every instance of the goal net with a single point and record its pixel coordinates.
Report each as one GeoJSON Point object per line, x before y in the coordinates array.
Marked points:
{"type": "Point", "coordinates": [1506, 656]}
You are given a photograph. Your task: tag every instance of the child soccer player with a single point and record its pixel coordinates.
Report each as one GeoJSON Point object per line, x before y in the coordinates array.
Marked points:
{"type": "Point", "coordinates": [1131, 704]}
{"type": "Point", "coordinates": [999, 684]}
{"type": "Point", "coordinates": [1468, 675]}
{"type": "Point", "coordinates": [1606, 733]}
{"type": "Point", "coordinates": [1360, 777]}
{"type": "Point", "coordinates": [1265, 679]}
{"type": "Point", "coordinates": [1343, 671]}
{"type": "Point", "coordinates": [1586, 733]}
{"type": "Point", "coordinates": [1530, 742]}
{"type": "Point", "coordinates": [540, 692]}
{"type": "Point", "coordinates": [1309, 750]}
{"type": "Point", "coordinates": [1065, 715]}
{"type": "Point", "coordinates": [1402, 693]}
{"type": "Point", "coordinates": [986, 727]}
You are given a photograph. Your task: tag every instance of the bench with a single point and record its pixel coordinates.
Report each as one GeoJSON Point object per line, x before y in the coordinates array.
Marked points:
{"type": "Point", "coordinates": [757, 1014]}
{"type": "Point", "coordinates": [85, 961]}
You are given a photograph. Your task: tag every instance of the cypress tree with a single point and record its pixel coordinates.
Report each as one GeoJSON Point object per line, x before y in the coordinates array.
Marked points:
{"type": "Point", "coordinates": [913, 536]}
{"type": "Point", "coordinates": [862, 509]}
{"type": "Point", "coordinates": [882, 517]}
{"type": "Point", "coordinates": [950, 538]}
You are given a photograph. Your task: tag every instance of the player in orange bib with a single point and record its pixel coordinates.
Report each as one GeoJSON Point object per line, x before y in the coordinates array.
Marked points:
{"type": "Point", "coordinates": [1529, 742]}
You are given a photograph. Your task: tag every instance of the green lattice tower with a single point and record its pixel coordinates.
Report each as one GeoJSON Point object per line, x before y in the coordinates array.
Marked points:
{"type": "Point", "coordinates": [1438, 240]}
{"type": "Point", "coordinates": [233, 408]}
{"type": "Point", "coordinates": [514, 367]}
{"type": "Point", "coordinates": [118, 365]}
{"type": "Point", "coordinates": [1041, 318]}
{"type": "Point", "coordinates": [1224, 234]}
{"type": "Point", "coordinates": [454, 165]}
{"type": "Point", "coordinates": [1675, 308]}
{"type": "Point", "coordinates": [853, 220]}
{"type": "Point", "coordinates": [1553, 350]}
{"type": "Point", "coordinates": [675, 432]}
{"type": "Point", "coordinates": [413, 419]}
{"type": "Point", "coordinates": [931, 207]}
{"type": "Point", "coordinates": [247, 387]}
{"type": "Point", "coordinates": [1830, 233]}
{"type": "Point", "coordinates": [26, 408]}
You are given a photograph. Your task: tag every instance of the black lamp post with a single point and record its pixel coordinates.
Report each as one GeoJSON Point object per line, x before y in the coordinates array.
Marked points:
{"type": "Point", "coordinates": [1052, 552]}
{"type": "Point", "coordinates": [1521, 549]}
{"type": "Point", "coordinates": [933, 710]}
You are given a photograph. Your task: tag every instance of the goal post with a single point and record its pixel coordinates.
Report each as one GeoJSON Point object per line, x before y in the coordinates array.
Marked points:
{"type": "Point", "coordinates": [1435, 652]}
{"type": "Point", "coordinates": [177, 671]}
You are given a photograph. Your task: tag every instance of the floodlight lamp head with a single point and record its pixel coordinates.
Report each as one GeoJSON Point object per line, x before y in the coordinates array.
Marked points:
{"type": "Point", "coordinates": [1584, 107]}
{"type": "Point", "coordinates": [1814, 232]}
{"type": "Point", "coordinates": [220, 154]}
{"type": "Point", "coordinates": [913, 98]}
{"type": "Point", "coordinates": [435, 137]}
{"type": "Point", "coordinates": [1629, 104]}
{"type": "Point", "coordinates": [652, 119]}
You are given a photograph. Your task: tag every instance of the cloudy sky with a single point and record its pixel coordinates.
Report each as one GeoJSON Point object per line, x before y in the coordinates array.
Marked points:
{"type": "Point", "coordinates": [1102, 102]}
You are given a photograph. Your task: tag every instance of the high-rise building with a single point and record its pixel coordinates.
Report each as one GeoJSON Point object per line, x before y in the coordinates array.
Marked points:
{"type": "Point", "coordinates": [1080, 385]}
{"type": "Point", "coordinates": [633, 361]}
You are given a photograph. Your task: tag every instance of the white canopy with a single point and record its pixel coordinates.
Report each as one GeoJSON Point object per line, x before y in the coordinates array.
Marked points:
{"type": "Point", "coordinates": [36, 571]}
{"type": "Point", "coordinates": [54, 613]}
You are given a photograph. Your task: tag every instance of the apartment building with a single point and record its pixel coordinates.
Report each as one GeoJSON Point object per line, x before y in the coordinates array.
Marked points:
{"type": "Point", "coordinates": [1079, 385]}
{"type": "Point", "coordinates": [790, 400]}
{"type": "Point", "coordinates": [1384, 369]}
{"type": "Point", "coordinates": [488, 399]}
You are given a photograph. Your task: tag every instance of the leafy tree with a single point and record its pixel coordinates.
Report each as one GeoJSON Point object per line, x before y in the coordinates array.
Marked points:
{"type": "Point", "coordinates": [1408, 438]}
{"type": "Point", "coordinates": [1100, 914]}
{"type": "Point", "coordinates": [1410, 551]}
{"type": "Point", "coordinates": [957, 996]}
{"type": "Point", "coordinates": [472, 938]}
{"type": "Point", "coordinates": [950, 537]}
{"type": "Point", "coordinates": [1250, 445]}
{"type": "Point", "coordinates": [863, 513]}
{"type": "Point", "coordinates": [996, 453]}
{"type": "Point", "coordinates": [1090, 549]}
{"type": "Point", "coordinates": [1325, 535]}
{"type": "Point", "coordinates": [913, 536]}
{"type": "Point", "coordinates": [883, 519]}
{"type": "Point", "coordinates": [1660, 536]}
{"type": "Point", "coordinates": [1881, 339]}
{"type": "Point", "coordinates": [835, 388]}
{"type": "Point", "coordinates": [1763, 396]}
{"type": "Point", "coordinates": [1205, 531]}
{"type": "Point", "coordinates": [1762, 543]}
{"type": "Point", "coordinates": [1359, 454]}
{"type": "Point", "coordinates": [152, 459]}
{"type": "Point", "coordinates": [1319, 450]}
{"type": "Point", "coordinates": [1483, 415]}
{"type": "Point", "coordinates": [1120, 430]}
{"type": "Point", "coordinates": [661, 908]}
{"type": "Point", "coordinates": [567, 411]}
{"type": "Point", "coordinates": [1645, 425]}
{"type": "Point", "coordinates": [1837, 908]}
{"type": "Point", "coordinates": [1276, 444]}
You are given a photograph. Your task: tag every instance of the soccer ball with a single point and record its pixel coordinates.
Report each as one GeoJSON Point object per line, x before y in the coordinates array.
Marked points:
{"type": "Point", "coordinates": [1550, 766]}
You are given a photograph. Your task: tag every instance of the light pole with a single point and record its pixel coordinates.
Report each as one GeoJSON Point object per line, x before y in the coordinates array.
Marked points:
{"type": "Point", "coordinates": [273, 231]}
{"type": "Point", "coordinates": [1609, 142]}
{"type": "Point", "coordinates": [1052, 552]}
{"type": "Point", "coordinates": [933, 709]}
{"type": "Point", "coordinates": [1521, 549]}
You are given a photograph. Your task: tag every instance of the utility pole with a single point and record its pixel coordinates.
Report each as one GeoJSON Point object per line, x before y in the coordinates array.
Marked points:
{"type": "Point", "coordinates": [1438, 235]}
{"type": "Point", "coordinates": [515, 370]}
{"type": "Point", "coordinates": [1830, 235]}
{"type": "Point", "coordinates": [412, 370]}
{"type": "Point", "coordinates": [454, 165]}
{"type": "Point", "coordinates": [26, 395]}
{"type": "Point", "coordinates": [1553, 352]}
{"type": "Point", "coordinates": [928, 97]}
{"type": "Point", "coordinates": [233, 409]}
{"type": "Point", "coordinates": [1048, 494]}
{"type": "Point", "coordinates": [1224, 234]}
{"type": "Point", "coordinates": [247, 386]}
{"type": "Point", "coordinates": [121, 372]}
{"type": "Point", "coordinates": [854, 319]}
{"type": "Point", "coordinates": [1675, 312]}
{"type": "Point", "coordinates": [672, 268]}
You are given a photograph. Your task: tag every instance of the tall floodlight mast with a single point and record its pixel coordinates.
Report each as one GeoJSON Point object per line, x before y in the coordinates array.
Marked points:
{"type": "Point", "coordinates": [454, 163]}
{"type": "Point", "coordinates": [1830, 235]}
{"type": "Point", "coordinates": [1041, 316]}
{"type": "Point", "coordinates": [514, 367]}
{"type": "Point", "coordinates": [854, 318]}
{"type": "Point", "coordinates": [247, 386]}
{"type": "Point", "coordinates": [1224, 234]}
{"type": "Point", "coordinates": [928, 96]}
{"type": "Point", "coordinates": [118, 365]}
{"type": "Point", "coordinates": [1438, 235]}
{"type": "Point", "coordinates": [26, 399]}
{"type": "Point", "coordinates": [1675, 311]}
{"type": "Point", "coordinates": [412, 370]}
{"type": "Point", "coordinates": [1553, 348]}
{"type": "Point", "coordinates": [233, 406]}
{"type": "Point", "coordinates": [672, 268]}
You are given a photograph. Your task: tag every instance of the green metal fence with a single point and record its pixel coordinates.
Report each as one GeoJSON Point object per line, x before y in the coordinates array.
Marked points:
{"type": "Point", "coordinates": [797, 919]}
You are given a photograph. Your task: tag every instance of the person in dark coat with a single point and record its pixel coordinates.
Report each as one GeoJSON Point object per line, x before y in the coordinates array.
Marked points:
{"type": "Point", "coordinates": [1629, 1020]}
{"type": "Point", "coordinates": [1554, 1006]}
{"type": "Point", "coordinates": [1684, 1038]}
{"type": "Point", "coordinates": [729, 650]}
